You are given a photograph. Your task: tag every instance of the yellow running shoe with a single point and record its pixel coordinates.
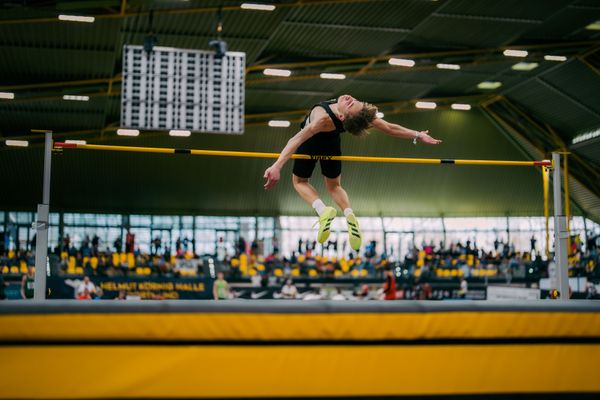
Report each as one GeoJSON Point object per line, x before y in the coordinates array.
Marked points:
{"type": "Point", "coordinates": [325, 220]}
{"type": "Point", "coordinates": [353, 232]}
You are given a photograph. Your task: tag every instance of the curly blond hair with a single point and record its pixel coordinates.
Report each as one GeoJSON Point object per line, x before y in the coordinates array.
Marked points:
{"type": "Point", "coordinates": [358, 124]}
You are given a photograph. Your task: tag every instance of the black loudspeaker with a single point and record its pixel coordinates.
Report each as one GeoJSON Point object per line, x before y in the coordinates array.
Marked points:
{"type": "Point", "coordinates": [219, 46]}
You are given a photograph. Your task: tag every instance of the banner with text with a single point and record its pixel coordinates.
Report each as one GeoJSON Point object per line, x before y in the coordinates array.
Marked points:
{"type": "Point", "coordinates": [134, 287]}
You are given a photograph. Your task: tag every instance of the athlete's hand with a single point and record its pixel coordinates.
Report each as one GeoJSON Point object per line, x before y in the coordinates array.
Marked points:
{"type": "Point", "coordinates": [425, 138]}
{"type": "Point", "coordinates": [272, 177]}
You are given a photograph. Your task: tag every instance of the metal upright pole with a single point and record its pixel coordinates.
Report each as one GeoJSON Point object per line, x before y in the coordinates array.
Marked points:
{"type": "Point", "coordinates": [546, 179]}
{"type": "Point", "coordinates": [384, 237]}
{"type": "Point", "coordinates": [444, 233]}
{"type": "Point", "coordinates": [567, 202]}
{"type": "Point", "coordinates": [41, 226]}
{"type": "Point", "coordinates": [560, 233]}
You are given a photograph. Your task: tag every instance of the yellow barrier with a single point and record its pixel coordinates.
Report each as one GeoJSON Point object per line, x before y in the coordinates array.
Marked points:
{"type": "Point", "coordinates": [238, 371]}
{"type": "Point", "coordinates": [502, 350]}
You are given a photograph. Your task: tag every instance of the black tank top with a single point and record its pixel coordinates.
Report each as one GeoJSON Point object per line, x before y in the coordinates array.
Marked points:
{"type": "Point", "coordinates": [323, 143]}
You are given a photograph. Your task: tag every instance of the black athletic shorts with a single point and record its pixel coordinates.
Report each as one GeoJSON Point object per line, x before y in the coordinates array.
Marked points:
{"type": "Point", "coordinates": [322, 144]}
{"type": "Point", "coordinates": [329, 168]}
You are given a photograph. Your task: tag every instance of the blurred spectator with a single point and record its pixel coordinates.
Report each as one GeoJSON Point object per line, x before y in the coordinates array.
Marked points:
{"type": "Point", "coordinates": [86, 285]}
{"type": "Point", "coordinates": [287, 269]}
{"type": "Point", "coordinates": [427, 291]}
{"type": "Point", "coordinates": [98, 295]}
{"type": "Point", "coordinates": [338, 295]}
{"type": "Point", "coordinates": [129, 242]}
{"type": "Point", "coordinates": [33, 241]}
{"type": "Point", "coordinates": [256, 280]}
{"type": "Point", "coordinates": [221, 248]}
{"type": "Point", "coordinates": [312, 295]}
{"type": "Point", "coordinates": [590, 291]}
{"type": "Point", "coordinates": [2, 286]}
{"type": "Point", "coordinates": [389, 286]}
{"type": "Point", "coordinates": [220, 287]}
{"type": "Point", "coordinates": [86, 250]}
{"type": "Point", "coordinates": [363, 293]}
{"type": "Point", "coordinates": [67, 242]}
{"type": "Point", "coordinates": [122, 295]}
{"type": "Point", "coordinates": [156, 245]}
{"type": "Point", "coordinates": [95, 244]}
{"type": "Point", "coordinates": [289, 291]}
{"type": "Point", "coordinates": [118, 244]}
{"type": "Point", "coordinates": [27, 284]}
{"type": "Point", "coordinates": [241, 246]}
{"type": "Point", "coordinates": [464, 288]}
{"type": "Point", "coordinates": [270, 280]}
{"type": "Point", "coordinates": [85, 295]}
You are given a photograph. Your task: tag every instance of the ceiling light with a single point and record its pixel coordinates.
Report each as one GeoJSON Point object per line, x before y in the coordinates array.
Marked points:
{"type": "Point", "coordinates": [586, 136]}
{"type": "Point", "coordinates": [75, 18]}
{"type": "Point", "coordinates": [76, 98]}
{"type": "Point", "coordinates": [76, 141]}
{"type": "Point", "coordinates": [448, 66]}
{"type": "Point", "coordinates": [554, 58]}
{"type": "Point", "coordinates": [179, 133]}
{"type": "Point", "coordinates": [128, 132]}
{"type": "Point", "coordinates": [7, 95]}
{"type": "Point", "coordinates": [277, 72]}
{"type": "Point", "coordinates": [489, 85]}
{"type": "Point", "coordinates": [379, 114]}
{"type": "Point", "coordinates": [460, 106]}
{"type": "Point", "coordinates": [515, 53]}
{"type": "Point", "coordinates": [279, 123]}
{"type": "Point", "coordinates": [255, 6]}
{"type": "Point", "coordinates": [426, 104]}
{"type": "Point", "coordinates": [401, 62]}
{"type": "Point", "coordinates": [325, 75]}
{"type": "Point", "coordinates": [18, 143]}
{"type": "Point", "coordinates": [594, 26]}
{"type": "Point", "coordinates": [525, 66]}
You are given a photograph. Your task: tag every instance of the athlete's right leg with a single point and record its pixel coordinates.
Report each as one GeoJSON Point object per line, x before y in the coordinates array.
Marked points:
{"type": "Point", "coordinates": [310, 195]}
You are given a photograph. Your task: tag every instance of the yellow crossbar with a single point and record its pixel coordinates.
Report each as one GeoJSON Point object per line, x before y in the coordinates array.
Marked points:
{"type": "Point", "coordinates": [225, 153]}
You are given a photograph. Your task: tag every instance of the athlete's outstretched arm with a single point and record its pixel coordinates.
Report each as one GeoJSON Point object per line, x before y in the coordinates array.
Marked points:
{"type": "Point", "coordinates": [399, 131]}
{"type": "Point", "coordinates": [272, 174]}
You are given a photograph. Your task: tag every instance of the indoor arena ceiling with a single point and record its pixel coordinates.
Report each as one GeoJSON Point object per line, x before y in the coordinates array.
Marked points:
{"type": "Point", "coordinates": [532, 113]}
